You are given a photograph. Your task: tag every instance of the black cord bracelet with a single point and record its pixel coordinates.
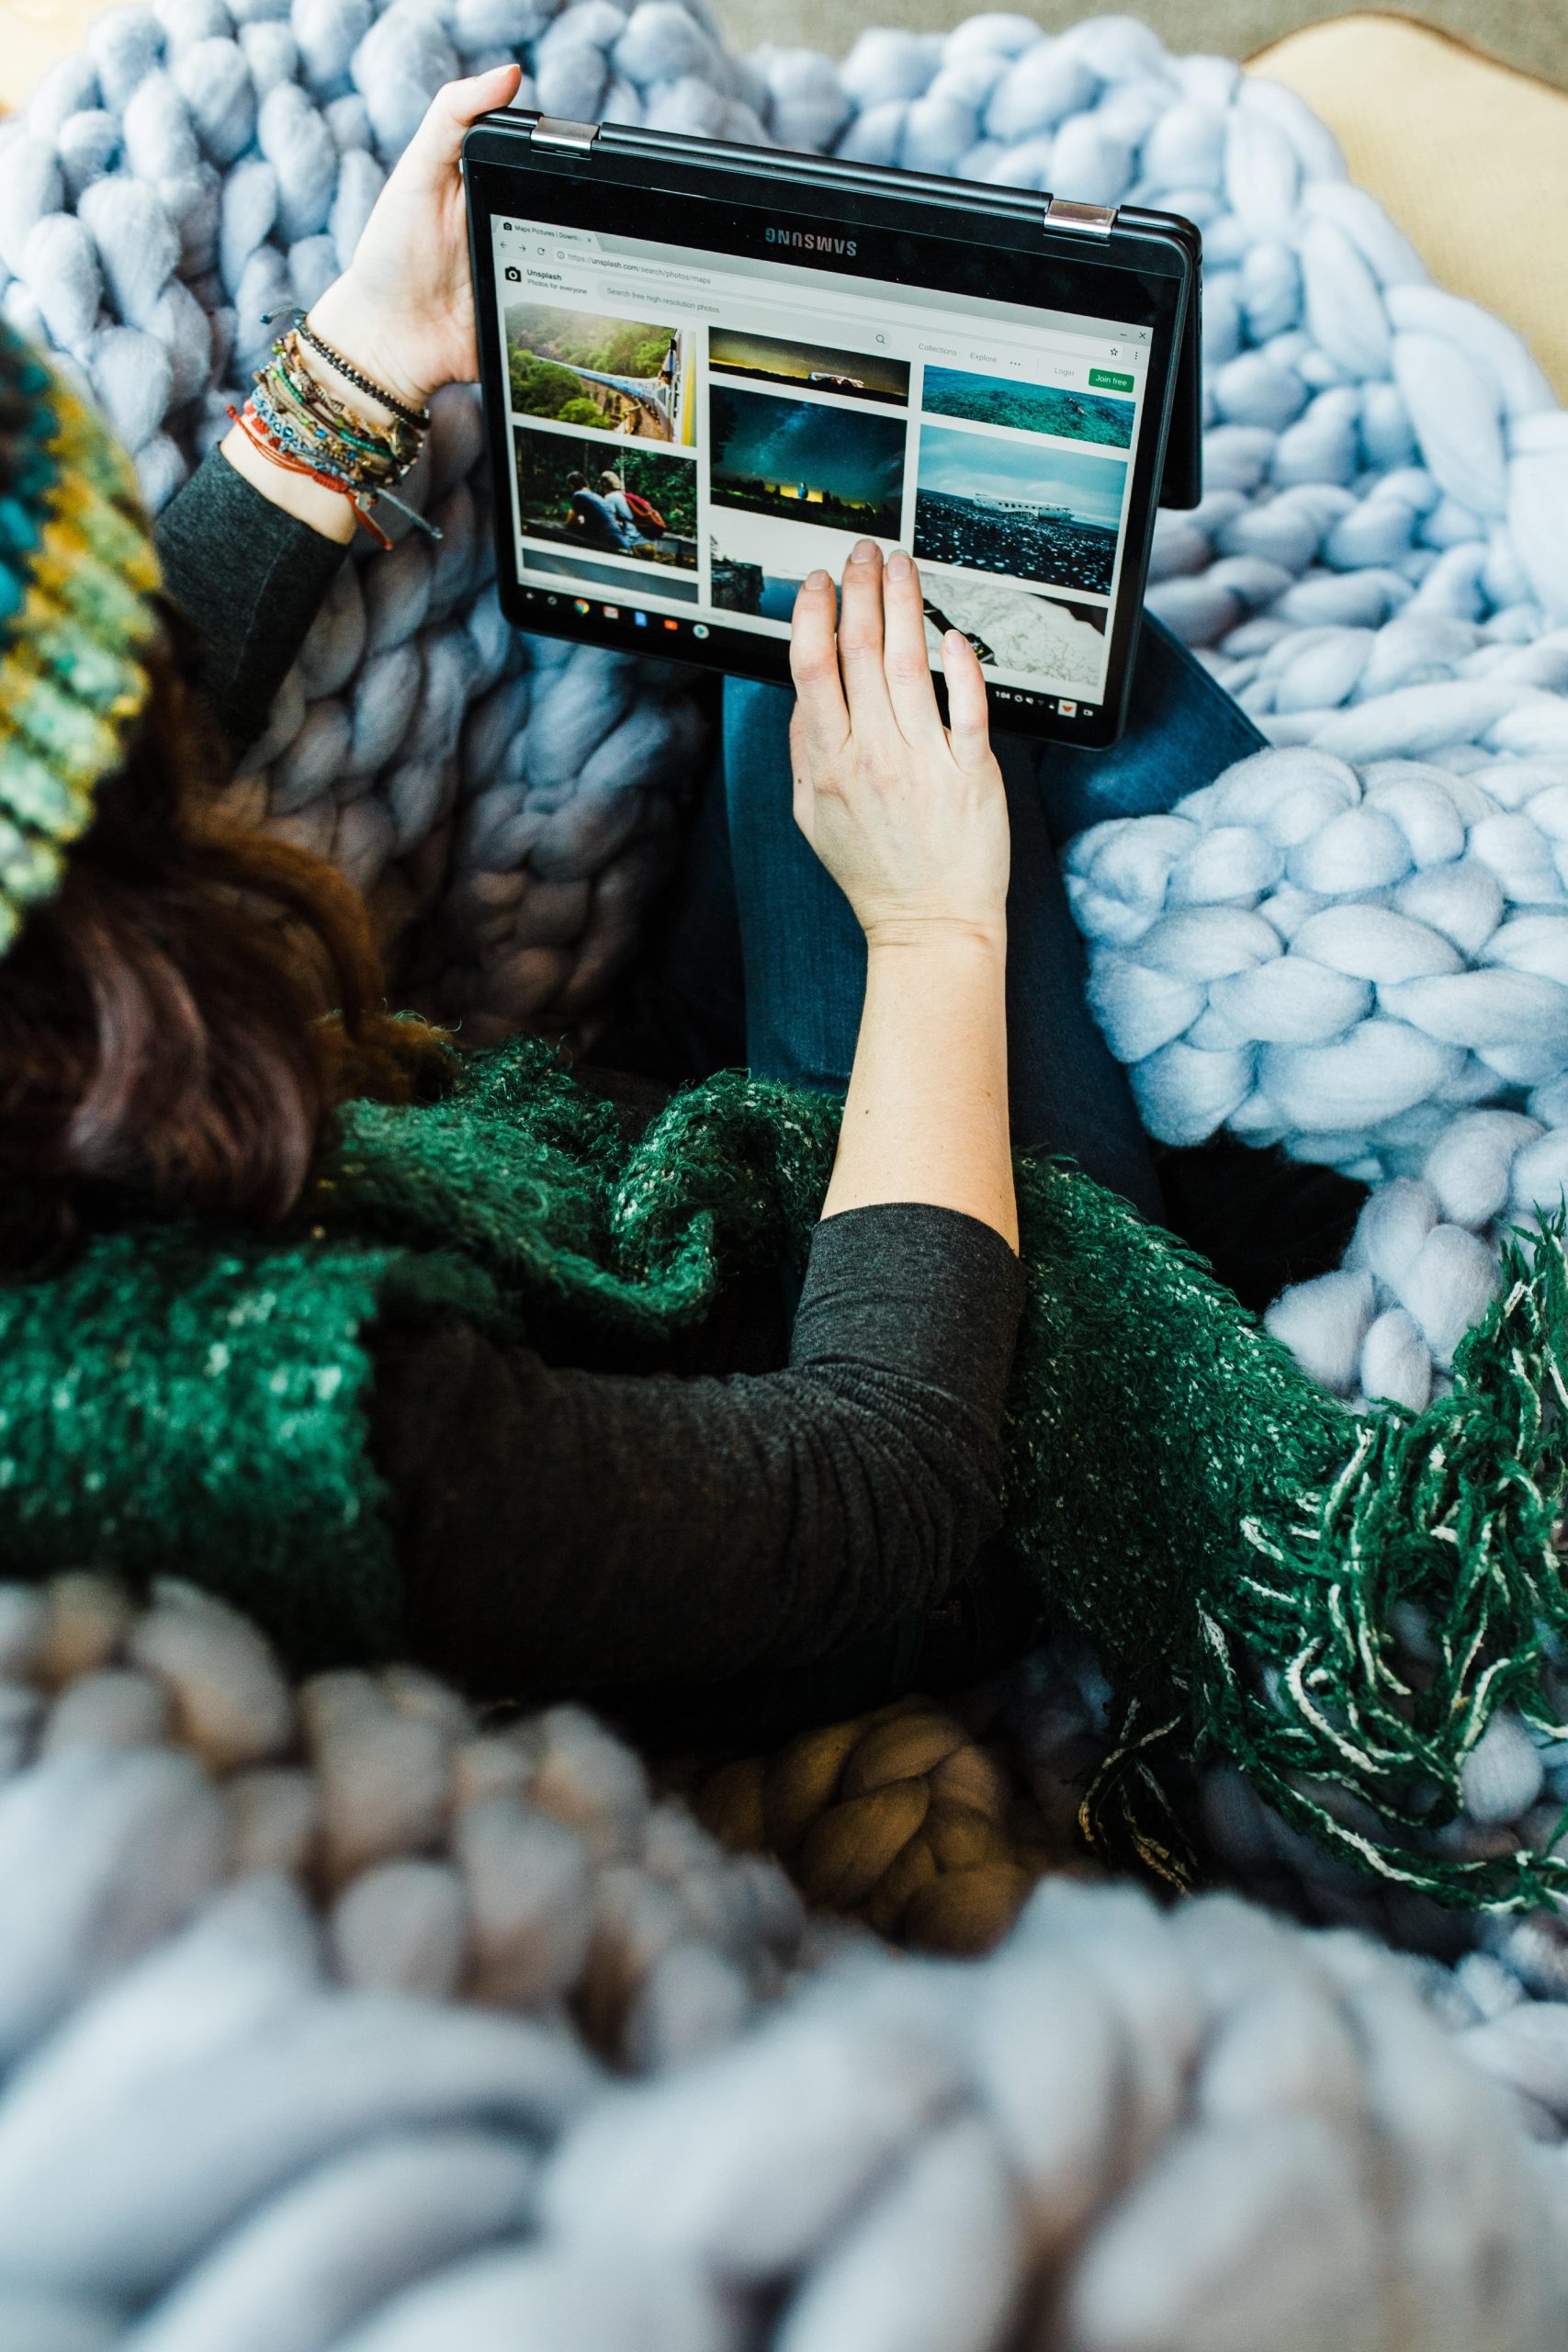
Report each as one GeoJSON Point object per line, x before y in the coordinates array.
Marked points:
{"type": "Point", "coordinates": [417, 417]}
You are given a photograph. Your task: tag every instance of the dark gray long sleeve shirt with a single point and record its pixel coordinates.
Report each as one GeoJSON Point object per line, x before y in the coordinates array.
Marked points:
{"type": "Point", "coordinates": [778, 1496]}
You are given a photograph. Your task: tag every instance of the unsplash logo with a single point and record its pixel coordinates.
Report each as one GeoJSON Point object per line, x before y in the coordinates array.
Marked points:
{"type": "Point", "coordinates": [807, 240]}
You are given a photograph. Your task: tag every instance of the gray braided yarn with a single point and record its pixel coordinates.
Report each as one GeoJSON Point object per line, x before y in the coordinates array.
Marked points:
{"type": "Point", "coordinates": [333, 2020]}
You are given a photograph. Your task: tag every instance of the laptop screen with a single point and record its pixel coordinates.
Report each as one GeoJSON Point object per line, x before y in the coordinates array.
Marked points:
{"type": "Point", "coordinates": [693, 433]}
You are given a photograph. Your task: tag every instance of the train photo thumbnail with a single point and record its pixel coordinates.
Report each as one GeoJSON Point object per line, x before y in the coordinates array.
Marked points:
{"type": "Point", "coordinates": [629, 376]}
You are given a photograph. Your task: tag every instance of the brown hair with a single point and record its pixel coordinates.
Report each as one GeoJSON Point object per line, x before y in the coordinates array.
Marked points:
{"type": "Point", "coordinates": [164, 1030]}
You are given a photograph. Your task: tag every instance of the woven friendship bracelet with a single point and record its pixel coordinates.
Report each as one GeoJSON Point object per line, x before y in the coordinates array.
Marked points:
{"type": "Point", "coordinates": [417, 417]}
{"type": "Point", "coordinates": [262, 439]}
{"type": "Point", "coordinates": [369, 454]}
{"type": "Point", "coordinates": [295, 421]}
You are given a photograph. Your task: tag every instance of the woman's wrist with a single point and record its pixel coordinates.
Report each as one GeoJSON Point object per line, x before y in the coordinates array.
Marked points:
{"type": "Point", "coordinates": [970, 936]}
{"type": "Point", "coordinates": [356, 327]}
{"type": "Point", "coordinates": [342, 320]}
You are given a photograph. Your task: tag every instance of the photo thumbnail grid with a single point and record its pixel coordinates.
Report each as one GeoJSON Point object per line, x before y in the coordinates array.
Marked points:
{"type": "Point", "coordinates": [661, 459]}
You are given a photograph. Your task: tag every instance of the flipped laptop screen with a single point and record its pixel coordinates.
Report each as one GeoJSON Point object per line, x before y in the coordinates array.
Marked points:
{"type": "Point", "coordinates": [693, 434]}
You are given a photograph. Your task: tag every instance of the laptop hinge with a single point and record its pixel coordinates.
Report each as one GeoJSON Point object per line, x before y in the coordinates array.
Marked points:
{"type": "Point", "coordinates": [1085, 219]}
{"type": "Point", "coordinates": [575, 138]}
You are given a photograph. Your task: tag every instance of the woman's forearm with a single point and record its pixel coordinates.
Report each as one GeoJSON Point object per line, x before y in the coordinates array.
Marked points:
{"type": "Point", "coordinates": [926, 1116]}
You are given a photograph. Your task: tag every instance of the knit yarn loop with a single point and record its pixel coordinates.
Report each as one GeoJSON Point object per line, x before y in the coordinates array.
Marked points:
{"type": "Point", "coordinates": [902, 1817]}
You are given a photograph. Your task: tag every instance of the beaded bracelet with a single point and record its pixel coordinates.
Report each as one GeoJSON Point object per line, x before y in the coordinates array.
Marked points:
{"type": "Point", "coordinates": [300, 325]}
{"type": "Point", "coordinates": [367, 453]}
{"type": "Point", "coordinates": [292, 419]}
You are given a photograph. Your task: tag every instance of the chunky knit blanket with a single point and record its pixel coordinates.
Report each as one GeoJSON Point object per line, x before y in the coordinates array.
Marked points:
{"type": "Point", "coordinates": [1350, 944]}
{"type": "Point", "coordinates": [335, 2020]}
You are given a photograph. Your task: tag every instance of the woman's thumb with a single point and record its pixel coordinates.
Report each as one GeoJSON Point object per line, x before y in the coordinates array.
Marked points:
{"type": "Point", "coordinates": [456, 107]}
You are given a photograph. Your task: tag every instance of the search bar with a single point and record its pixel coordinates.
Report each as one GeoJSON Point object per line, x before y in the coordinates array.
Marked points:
{"type": "Point", "coordinates": [653, 279]}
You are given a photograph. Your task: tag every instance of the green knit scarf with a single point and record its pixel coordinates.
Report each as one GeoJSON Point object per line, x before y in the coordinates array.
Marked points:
{"type": "Point", "coordinates": [1231, 1541]}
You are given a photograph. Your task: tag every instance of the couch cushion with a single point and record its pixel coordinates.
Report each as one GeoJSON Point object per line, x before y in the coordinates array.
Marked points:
{"type": "Point", "coordinates": [1469, 156]}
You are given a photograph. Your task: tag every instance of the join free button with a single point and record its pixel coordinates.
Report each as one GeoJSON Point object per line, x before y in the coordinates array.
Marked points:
{"type": "Point", "coordinates": [1106, 379]}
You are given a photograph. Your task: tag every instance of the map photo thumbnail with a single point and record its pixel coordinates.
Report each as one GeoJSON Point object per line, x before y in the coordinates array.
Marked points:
{"type": "Point", "coordinates": [629, 376]}
{"type": "Point", "coordinates": [833, 467]}
{"type": "Point", "coordinates": [858, 375]}
{"type": "Point", "coordinates": [1028, 408]}
{"type": "Point", "coordinates": [757, 562]}
{"type": "Point", "coordinates": [1019, 507]}
{"type": "Point", "coordinates": [1052, 639]}
{"type": "Point", "coordinates": [604, 498]}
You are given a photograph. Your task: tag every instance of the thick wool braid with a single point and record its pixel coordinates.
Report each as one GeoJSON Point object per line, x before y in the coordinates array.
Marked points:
{"type": "Point", "coordinates": [306, 1993]}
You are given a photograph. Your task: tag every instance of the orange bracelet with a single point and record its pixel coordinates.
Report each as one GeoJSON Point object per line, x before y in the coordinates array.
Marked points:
{"type": "Point", "coordinates": [262, 441]}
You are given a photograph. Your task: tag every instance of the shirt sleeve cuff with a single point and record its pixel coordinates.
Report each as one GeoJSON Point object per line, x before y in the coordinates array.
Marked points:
{"type": "Point", "coordinates": [925, 1292]}
{"type": "Point", "coordinates": [250, 578]}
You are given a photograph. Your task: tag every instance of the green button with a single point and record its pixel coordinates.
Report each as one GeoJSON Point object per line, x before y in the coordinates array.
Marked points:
{"type": "Point", "coordinates": [1106, 379]}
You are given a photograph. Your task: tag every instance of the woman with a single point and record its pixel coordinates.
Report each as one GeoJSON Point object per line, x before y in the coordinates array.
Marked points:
{"type": "Point", "coordinates": [526, 1375]}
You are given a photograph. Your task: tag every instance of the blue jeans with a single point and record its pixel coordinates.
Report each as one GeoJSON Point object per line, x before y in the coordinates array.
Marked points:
{"type": "Point", "coordinates": [762, 960]}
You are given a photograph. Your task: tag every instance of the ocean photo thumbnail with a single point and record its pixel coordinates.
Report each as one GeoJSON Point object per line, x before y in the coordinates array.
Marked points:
{"type": "Point", "coordinates": [1028, 408]}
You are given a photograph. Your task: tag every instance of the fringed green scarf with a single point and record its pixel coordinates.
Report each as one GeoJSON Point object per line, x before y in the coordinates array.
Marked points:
{"type": "Point", "coordinates": [1232, 1543]}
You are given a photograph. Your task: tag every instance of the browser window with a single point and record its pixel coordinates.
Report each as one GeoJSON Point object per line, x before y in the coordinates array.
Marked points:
{"type": "Point", "coordinates": [692, 436]}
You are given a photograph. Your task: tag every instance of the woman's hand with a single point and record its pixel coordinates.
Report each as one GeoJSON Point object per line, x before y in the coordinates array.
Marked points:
{"type": "Point", "coordinates": [402, 313]}
{"type": "Point", "coordinates": [908, 817]}
{"type": "Point", "coordinates": [403, 310]}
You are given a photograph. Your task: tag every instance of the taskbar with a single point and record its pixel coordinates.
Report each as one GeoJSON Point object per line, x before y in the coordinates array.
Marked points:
{"type": "Point", "coordinates": [560, 612]}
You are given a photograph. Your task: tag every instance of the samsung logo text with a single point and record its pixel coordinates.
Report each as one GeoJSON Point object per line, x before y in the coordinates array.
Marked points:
{"type": "Point", "coordinates": [809, 240]}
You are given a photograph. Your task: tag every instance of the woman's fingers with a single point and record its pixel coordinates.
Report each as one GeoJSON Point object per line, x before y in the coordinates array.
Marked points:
{"type": "Point", "coordinates": [968, 727]}
{"type": "Point", "coordinates": [813, 666]}
{"type": "Point", "coordinates": [905, 660]}
{"type": "Point", "coordinates": [860, 642]}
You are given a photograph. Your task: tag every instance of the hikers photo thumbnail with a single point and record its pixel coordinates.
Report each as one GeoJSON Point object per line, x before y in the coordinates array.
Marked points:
{"type": "Point", "coordinates": [1028, 408]}
{"type": "Point", "coordinates": [605, 497]}
{"type": "Point", "coordinates": [1019, 507]}
{"type": "Point", "coordinates": [629, 376]}
{"type": "Point", "coordinates": [809, 367]}
{"type": "Point", "coordinates": [800, 460]}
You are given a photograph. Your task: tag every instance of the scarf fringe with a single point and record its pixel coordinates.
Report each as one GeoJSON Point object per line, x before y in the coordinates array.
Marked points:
{"type": "Point", "coordinates": [1300, 1680]}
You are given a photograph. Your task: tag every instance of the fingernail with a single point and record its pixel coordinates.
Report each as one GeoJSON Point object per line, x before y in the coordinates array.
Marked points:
{"type": "Point", "coordinates": [815, 579]}
{"type": "Point", "coordinates": [898, 565]}
{"type": "Point", "coordinates": [863, 552]}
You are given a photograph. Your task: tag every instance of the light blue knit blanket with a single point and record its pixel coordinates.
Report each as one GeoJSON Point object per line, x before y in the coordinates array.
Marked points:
{"type": "Point", "coordinates": [1354, 946]}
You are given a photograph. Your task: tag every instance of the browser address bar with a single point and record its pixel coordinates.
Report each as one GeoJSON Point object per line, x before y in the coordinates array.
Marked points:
{"type": "Point", "coordinates": [890, 325]}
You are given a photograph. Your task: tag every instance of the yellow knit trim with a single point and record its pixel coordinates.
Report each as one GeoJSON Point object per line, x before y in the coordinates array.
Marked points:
{"type": "Point", "coordinates": [72, 680]}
